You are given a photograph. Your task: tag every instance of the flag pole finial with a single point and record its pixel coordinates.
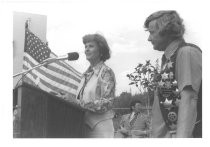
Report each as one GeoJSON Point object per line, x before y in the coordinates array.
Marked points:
{"type": "Point", "coordinates": [27, 23]}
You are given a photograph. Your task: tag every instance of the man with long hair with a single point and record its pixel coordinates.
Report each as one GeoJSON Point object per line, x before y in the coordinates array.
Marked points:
{"type": "Point", "coordinates": [177, 107]}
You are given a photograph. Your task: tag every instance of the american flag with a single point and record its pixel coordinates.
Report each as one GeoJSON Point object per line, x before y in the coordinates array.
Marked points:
{"type": "Point", "coordinates": [55, 77]}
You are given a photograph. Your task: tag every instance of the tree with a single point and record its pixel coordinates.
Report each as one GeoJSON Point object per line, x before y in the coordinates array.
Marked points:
{"type": "Point", "coordinates": [145, 79]}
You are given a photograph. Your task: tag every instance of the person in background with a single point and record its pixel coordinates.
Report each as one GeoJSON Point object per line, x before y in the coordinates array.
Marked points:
{"type": "Point", "coordinates": [135, 124]}
{"type": "Point", "coordinates": [177, 107]}
{"type": "Point", "coordinates": [97, 89]}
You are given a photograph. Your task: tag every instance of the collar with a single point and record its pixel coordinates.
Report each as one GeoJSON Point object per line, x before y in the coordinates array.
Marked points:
{"type": "Point", "coordinates": [96, 69]}
{"type": "Point", "coordinates": [172, 47]}
{"type": "Point", "coordinates": [131, 115]}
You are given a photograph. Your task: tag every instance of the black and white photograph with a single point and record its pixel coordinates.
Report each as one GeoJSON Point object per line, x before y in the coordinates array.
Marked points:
{"type": "Point", "coordinates": [105, 71]}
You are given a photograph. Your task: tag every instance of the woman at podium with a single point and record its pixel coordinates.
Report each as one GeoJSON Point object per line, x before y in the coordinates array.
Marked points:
{"type": "Point", "coordinates": [97, 89]}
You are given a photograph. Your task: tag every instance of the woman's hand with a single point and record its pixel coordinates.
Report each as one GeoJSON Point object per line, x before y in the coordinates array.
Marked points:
{"type": "Point", "coordinates": [98, 106]}
{"type": "Point", "coordinates": [140, 132]}
{"type": "Point", "coordinates": [67, 97]}
{"type": "Point", "coordinates": [124, 131]}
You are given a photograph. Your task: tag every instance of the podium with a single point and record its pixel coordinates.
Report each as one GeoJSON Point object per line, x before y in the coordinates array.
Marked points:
{"type": "Point", "coordinates": [42, 115]}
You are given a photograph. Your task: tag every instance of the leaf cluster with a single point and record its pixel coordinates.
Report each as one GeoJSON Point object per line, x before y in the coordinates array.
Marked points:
{"type": "Point", "coordinates": [145, 76]}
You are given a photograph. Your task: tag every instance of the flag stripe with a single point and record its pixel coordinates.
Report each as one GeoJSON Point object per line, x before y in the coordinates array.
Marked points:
{"type": "Point", "coordinates": [53, 75]}
{"type": "Point", "coordinates": [55, 88]}
{"type": "Point", "coordinates": [25, 67]}
{"type": "Point", "coordinates": [58, 68]}
{"type": "Point", "coordinates": [30, 79]}
{"type": "Point", "coordinates": [52, 82]}
{"type": "Point", "coordinates": [52, 79]}
{"type": "Point", "coordinates": [54, 67]}
{"type": "Point", "coordinates": [46, 86]}
{"type": "Point", "coordinates": [67, 66]}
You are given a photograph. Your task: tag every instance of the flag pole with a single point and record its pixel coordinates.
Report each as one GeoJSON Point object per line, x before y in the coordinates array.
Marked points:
{"type": "Point", "coordinates": [27, 23]}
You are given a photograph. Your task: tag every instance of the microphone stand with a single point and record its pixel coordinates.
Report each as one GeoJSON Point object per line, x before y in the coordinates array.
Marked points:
{"type": "Point", "coordinates": [23, 72]}
{"type": "Point", "coordinates": [44, 62]}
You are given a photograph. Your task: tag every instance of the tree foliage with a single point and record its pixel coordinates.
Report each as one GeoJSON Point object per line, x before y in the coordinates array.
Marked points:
{"type": "Point", "coordinates": [144, 76]}
{"type": "Point", "coordinates": [145, 79]}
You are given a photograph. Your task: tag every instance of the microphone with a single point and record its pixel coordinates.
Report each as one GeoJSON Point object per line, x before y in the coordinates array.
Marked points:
{"type": "Point", "coordinates": [70, 56]}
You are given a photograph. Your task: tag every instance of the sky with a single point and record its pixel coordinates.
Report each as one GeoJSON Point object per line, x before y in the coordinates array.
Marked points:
{"type": "Point", "coordinates": [120, 21]}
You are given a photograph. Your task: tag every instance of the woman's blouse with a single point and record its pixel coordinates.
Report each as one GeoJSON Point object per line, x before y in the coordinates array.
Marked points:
{"type": "Point", "coordinates": [98, 90]}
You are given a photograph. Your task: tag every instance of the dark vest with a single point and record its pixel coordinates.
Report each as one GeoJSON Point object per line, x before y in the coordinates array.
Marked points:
{"type": "Point", "coordinates": [169, 95]}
